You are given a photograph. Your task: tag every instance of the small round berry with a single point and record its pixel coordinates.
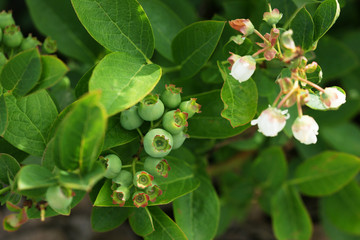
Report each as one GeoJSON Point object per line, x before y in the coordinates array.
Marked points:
{"type": "Point", "coordinates": [157, 166]}
{"type": "Point", "coordinates": [174, 121]}
{"type": "Point", "coordinates": [59, 198]}
{"type": "Point", "coordinates": [171, 97]}
{"type": "Point", "coordinates": [120, 195]}
{"type": "Point", "coordinates": [49, 45]}
{"type": "Point", "coordinates": [151, 108]}
{"type": "Point", "coordinates": [190, 107]}
{"type": "Point", "coordinates": [113, 166]}
{"type": "Point", "coordinates": [29, 42]}
{"type": "Point", "coordinates": [158, 142]}
{"type": "Point", "coordinates": [130, 119]}
{"type": "Point", "coordinates": [124, 178]}
{"type": "Point", "coordinates": [179, 139]}
{"type": "Point", "coordinates": [153, 192]}
{"type": "Point", "coordinates": [142, 179]}
{"type": "Point", "coordinates": [6, 19]}
{"type": "Point", "coordinates": [12, 36]}
{"type": "Point", "coordinates": [140, 199]}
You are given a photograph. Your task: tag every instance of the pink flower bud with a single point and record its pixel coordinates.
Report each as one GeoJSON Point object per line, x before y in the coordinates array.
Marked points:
{"type": "Point", "coordinates": [271, 121]}
{"type": "Point", "coordinates": [242, 25]}
{"type": "Point", "coordinates": [243, 68]}
{"type": "Point", "coordinates": [272, 17]}
{"type": "Point", "coordinates": [332, 98]}
{"type": "Point", "coordinates": [305, 129]}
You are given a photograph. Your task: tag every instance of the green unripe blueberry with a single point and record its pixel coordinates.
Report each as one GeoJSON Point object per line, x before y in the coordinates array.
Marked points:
{"type": "Point", "coordinates": [6, 19]}
{"type": "Point", "coordinates": [130, 119]}
{"type": "Point", "coordinates": [158, 142]}
{"type": "Point", "coordinates": [49, 45]}
{"type": "Point", "coordinates": [59, 198]}
{"type": "Point", "coordinates": [29, 42]}
{"type": "Point", "coordinates": [140, 199]}
{"type": "Point", "coordinates": [151, 108]}
{"type": "Point", "coordinates": [174, 121]}
{"type": "Point", "coordinates": [190, 107]}
{"type": "Point", "coordinates": [124, 178]}
{"type": "Point", "coordinates": [113, 166]}
{"type": "Point", "coordinates": [157, 166]}
{"type": "Point", "coordinates": [12, 36]}
{"type": "Point", "coordinates": [120, 195]}
{"type": "Point", "coordinates": [3, 59]}
{"type": "Point", "coordinates": [171, 97]}
{"type": "Point", "coordinates": [179, 139]}
{"type": "Point", "coordinates": [142, 179]}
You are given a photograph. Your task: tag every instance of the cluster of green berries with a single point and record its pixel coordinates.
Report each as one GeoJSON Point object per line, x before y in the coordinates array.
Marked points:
{"type": "Point", "coordinates": [158, 142]}
{"type": "Point", "coordinates": [12, 40]}
{"type": "Point", "coordinates": [170, 111]}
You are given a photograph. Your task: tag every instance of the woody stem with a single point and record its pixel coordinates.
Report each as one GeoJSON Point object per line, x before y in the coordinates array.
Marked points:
{"type": "Point", "coordinates": [287, 96]}
{"type": "Point", "coordinates": [311, 84]}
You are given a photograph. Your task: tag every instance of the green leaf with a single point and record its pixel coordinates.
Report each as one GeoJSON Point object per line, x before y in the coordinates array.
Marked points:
{"type": "Point", "coordinates": [240, 99]}
{"type": "Point", "coordinates": [325, 16]}
{"type": "Point", "coordinates": [165, 228]}
{"type": "Point", "coordinates": [104, 219]}
{"type": "Point", "coordinates": [330, 49]}
{"type": "Point", "coordinates": [316, 103]}
{"type": "Point", "coordinates": [165, 23]}
{"type": "Point", "coordinates": [193, 46]}
{"type": "Point", "coordinates": [326, 173]}
{"type": "Point", "coordinates": [343, 210]}
{"type": "Point", "coordinates": [289, 215]}
{"type": "Point", "coordinates": [303, 27]}
{"type": "Point", "coordinates": [343, 137]}
{"type": "Point", "coordinates": [198, 212]}
{"type": "Point", "coordinates": [185, 10]}
{"type": "Point", "coordinates": [33, 177]}
{"type": "Point", "coordinates": [53, 70]}
{"type": "Point", "coordinates": [181, 180]}
{"type": "Point", "coordinates": [124, 80]}
{"type": "Point", "coordinates": [79, 137]}
{"type": "Point", "coordinates": [243, 49]}
{"type": "Point", "coordinates": [8, 168]}
{"type": "Point", "coordinates": [116, 135]}
{"type": "Point", "coordinates": [3, 115]}
{"type": "Point", "coordinates": [82, 86]}
{"type": "Point", "coordinates": [57, 19]}
{"type": "Point", "coordinates": [28, 127]}
{"type": "Point", "coordinates": [209, 123]}
{"type": "Point", "coordinates": [84, 181]}
{"type": "Point", "coordinates": [20, 74]}
{"type": "Point", "coordinates": [141, 221]}
{"type": "Point", "coordinates": [117, 25]}
{"type": "Point", "coordinates": [270, 168]}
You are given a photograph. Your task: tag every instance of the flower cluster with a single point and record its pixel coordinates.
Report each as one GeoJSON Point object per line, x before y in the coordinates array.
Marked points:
{"type": "Point", "coordinates": [168, 110]}
{"type": "Point", "coordinates": [296, 81]}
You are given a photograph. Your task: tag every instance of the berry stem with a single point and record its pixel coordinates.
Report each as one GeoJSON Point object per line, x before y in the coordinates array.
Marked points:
{"type": "Point", "coordinates": [126, 166]}
{"type": "Point", "coordinates": [261, 36]}
{"type": "Point", "coordinates": [140, 133]}
{"type": "Point", "coordinates": [311, 84]}
{"type": "Point", "coordinates": [260, 59]}
{"type": "Point", "coordinates": [134, 165]}
{"type": "Point", "coordinates": [299, 105]}
{"type": "Point", "coordinates": [259, 51]}
{"type": "Point", "coordinates": [171, 69]}
{"type": "Point", "coordinates": [277, 98]}
{"type": "Point", "coordinates": [295, 88]}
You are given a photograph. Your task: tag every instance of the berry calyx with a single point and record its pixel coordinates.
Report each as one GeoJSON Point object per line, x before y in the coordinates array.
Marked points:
{"type": "Point", "coordinates": [153, 192]}
{"type": "Point", "coordinates": [130, 119]}
{"type": "Point", "coordinates": [120, 195]}
{"type": "Point", "coordinates": [113, 166]}
{"type": "Point", "coordinates": [190, 107]}
{"type": "Point", "coordinates": [158, 142]}
{"type": "Point", "coordinates": [49, 45]}
{"type": "Point", "coordinates": [175, 121]}
{"type": "Point", "coordinates": [29, 42]}
{"type": "Point", "coordinates": [140, 199]}
{"type": "Point", "coordinates": [151, 108]}
{"type": "Point", "coordinates": [171, 97]}
{"type": "Point", "coordinates": [143, 179]}
{"type": "Point", "coordinates": [157, 166]}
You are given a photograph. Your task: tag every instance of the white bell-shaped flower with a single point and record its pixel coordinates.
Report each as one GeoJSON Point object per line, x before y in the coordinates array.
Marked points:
{"type": "Point", "coordinates": [243, 68]}
{"type": "Point", "coordinates": [333, 98]}
{"type": "Point", "coordinates": [271, 121]}
{"type": "Point", "coordinates": [305, 129]}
